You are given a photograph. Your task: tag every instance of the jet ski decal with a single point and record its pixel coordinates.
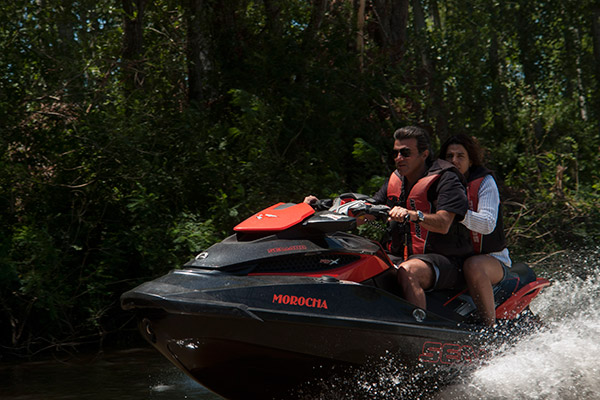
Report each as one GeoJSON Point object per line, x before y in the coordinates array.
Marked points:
{"type": "Point", "coordinates": [288, 248]}
{"type": "Point", "coordinates": [448, 353]}
{"type": "Point", "coordinates": [299, 301]}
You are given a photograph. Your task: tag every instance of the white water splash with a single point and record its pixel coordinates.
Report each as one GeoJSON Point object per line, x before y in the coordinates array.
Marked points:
{"type": "Point", "coordinates": [562, 360]}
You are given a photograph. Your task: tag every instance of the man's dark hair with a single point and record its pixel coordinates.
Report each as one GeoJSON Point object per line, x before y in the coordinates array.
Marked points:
{"type": "Point", "coordinates": [415, 132]}
{"type": "Point", "coordinates": [469, 143]}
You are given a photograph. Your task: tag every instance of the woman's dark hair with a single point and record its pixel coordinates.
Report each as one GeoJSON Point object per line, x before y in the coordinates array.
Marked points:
{"type": "Point", "coordinates": [470, 144]}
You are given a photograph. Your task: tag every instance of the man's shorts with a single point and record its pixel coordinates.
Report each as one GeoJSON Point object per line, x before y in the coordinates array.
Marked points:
{"type": "Point", "coordinates": [447, 270]}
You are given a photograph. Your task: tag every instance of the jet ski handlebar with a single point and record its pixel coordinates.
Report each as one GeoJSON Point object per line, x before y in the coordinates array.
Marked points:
{"type": "Point", "coordinates": [358, 208]}
{"type": "Point", "coordinates": [379, 211]}
{"type": "Point", "coordinates": [354, 205]}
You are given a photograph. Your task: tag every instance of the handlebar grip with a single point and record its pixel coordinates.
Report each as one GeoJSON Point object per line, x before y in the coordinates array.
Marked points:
{"type": "Point", "coordinates": [377, 210]}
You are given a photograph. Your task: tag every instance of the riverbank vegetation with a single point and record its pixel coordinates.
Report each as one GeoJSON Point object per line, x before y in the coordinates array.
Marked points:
{"type": "Point", "coordinates": [136, 133]}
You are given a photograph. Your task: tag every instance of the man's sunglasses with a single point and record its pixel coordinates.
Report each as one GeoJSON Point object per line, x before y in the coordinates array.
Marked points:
{"type": "Point", "coordinates": [404, 152]}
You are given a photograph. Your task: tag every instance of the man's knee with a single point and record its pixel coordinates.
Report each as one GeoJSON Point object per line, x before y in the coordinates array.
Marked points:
{"type": "Point", "coordinates": [417, 271]}
{"type": "Point", "coordinates": [412, 267]}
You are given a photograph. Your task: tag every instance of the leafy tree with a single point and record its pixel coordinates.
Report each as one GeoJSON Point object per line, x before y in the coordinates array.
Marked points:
{"type": "Point", "coordinates": [136, 133]}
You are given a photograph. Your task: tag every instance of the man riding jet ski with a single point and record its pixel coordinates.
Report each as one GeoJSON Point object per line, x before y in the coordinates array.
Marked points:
{"type": "Point", "coordinates": [291, 295]}
{"type": "Point", "coordinates": [431, 195]}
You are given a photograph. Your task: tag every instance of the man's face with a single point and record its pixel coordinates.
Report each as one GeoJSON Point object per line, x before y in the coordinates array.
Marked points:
{"type": "Point", "coordinates": [407, 158]}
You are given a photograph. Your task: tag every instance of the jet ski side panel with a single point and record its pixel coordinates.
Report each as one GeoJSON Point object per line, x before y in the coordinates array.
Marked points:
{"type": "Point", "coordinates": [290, 328]}
{"type": "Point", "coordinates": [235, 253]}
{"type": "Point", "coordinates": [249, 358]}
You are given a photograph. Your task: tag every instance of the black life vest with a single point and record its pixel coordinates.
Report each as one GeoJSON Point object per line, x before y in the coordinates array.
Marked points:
{"type": "Point", "coordinates": [495, 241]}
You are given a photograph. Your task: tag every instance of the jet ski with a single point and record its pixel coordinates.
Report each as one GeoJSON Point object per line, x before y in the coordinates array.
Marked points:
{"type": "Point", "coordinates": [292, 295]}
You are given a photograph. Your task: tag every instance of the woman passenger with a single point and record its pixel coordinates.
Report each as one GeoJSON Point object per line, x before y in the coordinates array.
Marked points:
{"type": "Point", "coordinates": [484, 220]}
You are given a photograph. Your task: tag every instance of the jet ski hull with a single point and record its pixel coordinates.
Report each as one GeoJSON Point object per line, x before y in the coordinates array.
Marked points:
{"type": "Point", "coordinates": [289, 330]}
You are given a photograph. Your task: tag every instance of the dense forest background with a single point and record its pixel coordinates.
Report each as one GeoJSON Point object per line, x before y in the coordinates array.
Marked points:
{"type": "Point", "coordinates": [135, 133]}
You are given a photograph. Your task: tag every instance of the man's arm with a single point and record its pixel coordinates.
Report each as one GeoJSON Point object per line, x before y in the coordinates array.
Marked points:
{"type": "Point", "coordinates": [451, 204]}
{"type": "Point", "coordinates": [438, 222]}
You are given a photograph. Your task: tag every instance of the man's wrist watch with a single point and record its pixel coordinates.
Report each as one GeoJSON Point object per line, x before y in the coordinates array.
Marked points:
{"type": "Point", "coordinates": [420, 216]}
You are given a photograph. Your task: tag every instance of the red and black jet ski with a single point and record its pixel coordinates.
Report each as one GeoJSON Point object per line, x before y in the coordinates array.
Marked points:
{"type": "Point", "coordinates": [291, 295]}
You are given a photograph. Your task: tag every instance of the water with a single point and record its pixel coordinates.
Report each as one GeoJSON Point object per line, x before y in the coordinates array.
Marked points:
{"type": "Point", "coordinates": [124, 375]}
{"type": "Point", "coordinates": [560, 361]}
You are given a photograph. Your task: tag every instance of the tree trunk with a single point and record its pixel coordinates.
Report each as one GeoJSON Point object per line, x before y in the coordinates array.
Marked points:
{"type": "Point", "coordinates": [66, 52]}
{"type": "Point", "coordinates": [579, 76]}
{"type": "Point", "coordinates": [392, 16]}
{"type": "Point", "coordinates": [434, 91]}
{"type": "Point", "coordinates": [419, 21]}
{"type": "Point", "coordinates": [435, 12]}
{"type": "Point", "coordinates": [316, 19]}
{"type": "Point", "coordinates": [596, 40]}
{"type": "Point", "coordinates": [133, 44]}
{"type": "Point", "coordinates": [360, 32]}
{"type": "Point", "coordinates": [64, 24]}
{"type": "Point", "coordinates": [495, 67]}
{"type": "Point", "coordinates": [497, 92]}
{"type": "Point", "coordinates": [273, 19]}
{"type": "Point", "coordinates": [228, 37]}
{"type": "Point", "coordinates": [197, 46]}
{"type": "Point", "coordinates": [525, 32]}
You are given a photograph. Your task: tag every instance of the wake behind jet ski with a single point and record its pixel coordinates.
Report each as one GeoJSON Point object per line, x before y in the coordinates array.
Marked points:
{"type": "Point", "coordinates": [292, 296]}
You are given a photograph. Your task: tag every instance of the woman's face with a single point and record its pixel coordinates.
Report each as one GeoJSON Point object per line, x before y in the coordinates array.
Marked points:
{"type": "Point", "coordinates": [458, 155]}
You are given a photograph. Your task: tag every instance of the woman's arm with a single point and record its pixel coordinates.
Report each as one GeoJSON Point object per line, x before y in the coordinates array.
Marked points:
{"type": "Point", "coordinates": [484, 219]}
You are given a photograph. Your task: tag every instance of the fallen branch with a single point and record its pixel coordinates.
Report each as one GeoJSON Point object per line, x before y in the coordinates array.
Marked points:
{"type": "Point", "coordinates": [547, 256]}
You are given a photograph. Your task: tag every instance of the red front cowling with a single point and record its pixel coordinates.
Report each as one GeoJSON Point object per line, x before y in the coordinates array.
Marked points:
{"type": "Point", "coordinates": [278, 217]}
{"type": "Point", "coordinates": [521, 299]}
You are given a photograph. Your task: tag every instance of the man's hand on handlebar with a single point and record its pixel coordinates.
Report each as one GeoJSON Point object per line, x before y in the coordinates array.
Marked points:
{"type": "Point", "coordinates": [310, 199]}
{"type": "Point", "coordinates": [401, 214]}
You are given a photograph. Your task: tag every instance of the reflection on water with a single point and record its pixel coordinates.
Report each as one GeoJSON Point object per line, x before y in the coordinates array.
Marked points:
{"type": "Point", "coordinates": [140, 374]}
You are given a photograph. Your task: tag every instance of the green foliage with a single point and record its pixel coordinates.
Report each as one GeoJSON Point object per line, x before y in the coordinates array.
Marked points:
{"type": "Point", "coordinates": [553, 210]}
{"type": "Point", "coordinates": [106, 182]}
{"type": "Point", "coordinates": [190, 235]}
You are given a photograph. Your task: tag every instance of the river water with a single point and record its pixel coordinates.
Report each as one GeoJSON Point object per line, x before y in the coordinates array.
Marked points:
{"type": "Point", "coordinates": [560, 361]}
{"type": "Point", "coordinates": [121, 375]}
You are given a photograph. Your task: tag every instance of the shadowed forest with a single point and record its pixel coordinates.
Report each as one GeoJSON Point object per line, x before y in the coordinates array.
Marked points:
{"type": "Point", "coordinates": [135, 133]}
